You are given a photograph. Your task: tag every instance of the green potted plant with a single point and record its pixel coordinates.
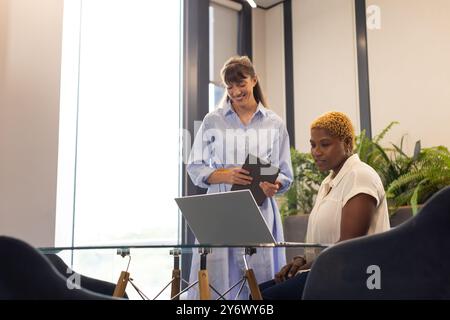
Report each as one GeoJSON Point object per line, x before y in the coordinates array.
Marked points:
{"type": "Point", "coordinates": [429, 173]}
{"type": "Point", "coordinates": [408, 180]}
{"type": "Point", "coordinates": [390, 163]}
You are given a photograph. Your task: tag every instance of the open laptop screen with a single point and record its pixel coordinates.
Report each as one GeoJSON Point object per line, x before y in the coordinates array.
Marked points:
{"type": "Point", "coordinates": [228, 218]}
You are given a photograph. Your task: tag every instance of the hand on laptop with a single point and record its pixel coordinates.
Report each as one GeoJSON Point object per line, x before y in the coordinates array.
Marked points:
{"type": "Point", "coordinates": [231, 176]}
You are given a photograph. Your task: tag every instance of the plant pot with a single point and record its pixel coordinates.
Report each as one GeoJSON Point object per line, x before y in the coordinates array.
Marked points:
{"type": "Point", "coordinates": [402, 214]}
{"type": "Point", "coordinates": [295, 231]}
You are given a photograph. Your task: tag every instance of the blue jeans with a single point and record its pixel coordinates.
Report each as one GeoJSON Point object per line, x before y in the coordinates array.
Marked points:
{"type": "Point", "coordinates": [291, 289]}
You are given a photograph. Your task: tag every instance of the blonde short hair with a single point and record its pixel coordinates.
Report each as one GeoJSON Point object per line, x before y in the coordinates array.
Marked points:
{"type": "Point", "coordinates": [337, 124]}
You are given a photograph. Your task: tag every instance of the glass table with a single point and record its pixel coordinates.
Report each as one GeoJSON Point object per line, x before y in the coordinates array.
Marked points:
{"type": "Point", "coordinates": [151, 268]}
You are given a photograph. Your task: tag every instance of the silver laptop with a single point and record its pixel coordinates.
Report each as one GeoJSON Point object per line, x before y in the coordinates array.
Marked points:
{"type": "Point", "coordinates": [228, 218]}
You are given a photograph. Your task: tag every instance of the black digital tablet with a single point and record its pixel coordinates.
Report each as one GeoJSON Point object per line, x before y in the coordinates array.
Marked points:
{"type": "Point", "coordinates": [260, 171]}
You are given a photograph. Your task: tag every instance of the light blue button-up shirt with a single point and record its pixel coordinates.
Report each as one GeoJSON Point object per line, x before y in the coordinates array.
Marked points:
{"type": "Point", "coordinates": [223, 141]}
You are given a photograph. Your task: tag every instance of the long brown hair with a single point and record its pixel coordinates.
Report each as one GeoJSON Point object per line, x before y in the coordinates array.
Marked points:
{"type": "Point", "coordinates": [235, 70]}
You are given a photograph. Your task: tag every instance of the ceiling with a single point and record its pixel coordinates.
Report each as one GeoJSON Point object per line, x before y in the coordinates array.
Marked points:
{"type": "Point", "coordinates": [267, 3]}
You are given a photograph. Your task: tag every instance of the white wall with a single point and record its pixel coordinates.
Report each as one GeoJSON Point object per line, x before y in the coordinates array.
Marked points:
{"type": "Point", "coordinates": [259, 45]}
{"type": "Point", "coordinates": [223, 38]}
{"type": "Point", "coordinates": [30, 57]}
{"type": "Point", "coordinates": [409, 71]}
{"type": "Point", "coordinates": [324, 54]}
{"type": "Point", "coordinates": [268, 55]}
{"type": "Point", "coordinates": [275, 66]}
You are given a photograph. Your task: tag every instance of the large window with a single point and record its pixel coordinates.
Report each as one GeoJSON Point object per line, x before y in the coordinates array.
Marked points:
{"type": "Point", "coordinates": [119, 161]}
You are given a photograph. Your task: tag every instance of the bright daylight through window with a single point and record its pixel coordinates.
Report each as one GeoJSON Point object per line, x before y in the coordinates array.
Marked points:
{"type": "Point", "coordinates": [118, 170]}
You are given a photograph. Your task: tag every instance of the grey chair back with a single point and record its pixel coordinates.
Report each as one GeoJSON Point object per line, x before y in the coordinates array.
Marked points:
{"type": "Point", "coordinates": [26, 274]}
{"type": "Point", "coordinates": [92, 284]}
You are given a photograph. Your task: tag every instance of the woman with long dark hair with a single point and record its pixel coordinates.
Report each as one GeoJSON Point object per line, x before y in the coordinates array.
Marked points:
{"type": "Point", "coordinates": [242, 125]}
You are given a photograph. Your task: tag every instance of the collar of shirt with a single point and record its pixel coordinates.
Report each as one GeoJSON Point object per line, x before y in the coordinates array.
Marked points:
{"type": "Point", "coordinates": [227, 109]}
{"type": "Point", "coordinates": [333, 182]}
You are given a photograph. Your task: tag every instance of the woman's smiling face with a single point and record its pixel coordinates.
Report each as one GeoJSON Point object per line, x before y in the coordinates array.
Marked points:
{"type": "Point", "coordinates": [241, 93]}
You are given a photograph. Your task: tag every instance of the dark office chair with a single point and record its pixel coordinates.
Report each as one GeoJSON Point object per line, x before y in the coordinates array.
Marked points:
{"type": "Point", "coordinates": [26, 274]}
{"type": "Point", "coordinates": [413, 260]}
{"type": "Point", "coordinates": [92, 284]}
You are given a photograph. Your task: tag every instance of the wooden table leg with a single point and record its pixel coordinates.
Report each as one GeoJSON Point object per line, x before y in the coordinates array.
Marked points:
{"type": "Point", "coordinates": [203, 284]}
{"type": "Point", "coordinates": [175, 289]}
{"type": "Point", "coordinates": [254, 288]}
{"type": "Point", "coordinates": [119, 291]}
